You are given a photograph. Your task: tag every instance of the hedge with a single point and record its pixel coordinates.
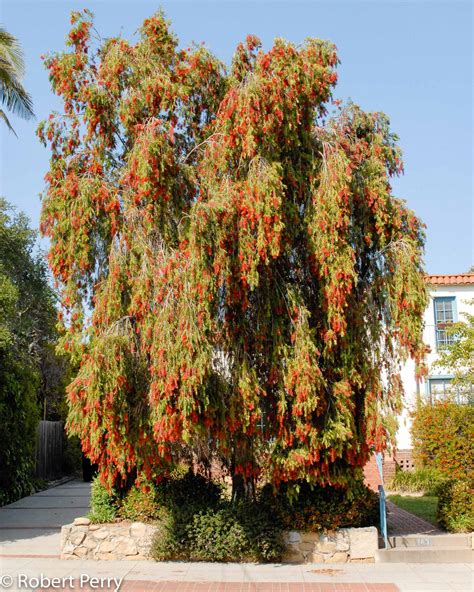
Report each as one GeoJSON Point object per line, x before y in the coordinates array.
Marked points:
{"type": "Point", "coordinates": [456, 506]}
{"type": "Point", "coordinates": [443, 438]}
{"type": "Point", "coordinates": [18, 422]}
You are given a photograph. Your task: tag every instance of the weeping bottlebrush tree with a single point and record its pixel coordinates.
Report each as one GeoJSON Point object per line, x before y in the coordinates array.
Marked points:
{"type": "Point", "coordinates": [237, 277]}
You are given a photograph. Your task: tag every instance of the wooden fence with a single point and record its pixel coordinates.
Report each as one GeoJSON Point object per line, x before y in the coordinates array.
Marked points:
{"type": "Point", "coordinates": [49, 450]}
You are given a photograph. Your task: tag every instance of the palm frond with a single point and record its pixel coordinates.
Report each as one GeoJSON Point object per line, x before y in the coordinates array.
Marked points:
{"type": "Point", "coordinates": [5, 119]}
{"type": "Point", "coordinates": [11, 51]}
{"type": "Point", "coordinates": [13, 94]}
{"type": "Point", "coordinates": [15, 97]}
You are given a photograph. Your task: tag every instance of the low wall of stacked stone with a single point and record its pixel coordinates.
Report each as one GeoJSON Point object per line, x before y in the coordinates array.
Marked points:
{"type": "Point", "coordinates": [133, 540]}
{"type": "Point", "coordinates": [119, 540]}
{"type": "Point", "coordinates": [341, 546]}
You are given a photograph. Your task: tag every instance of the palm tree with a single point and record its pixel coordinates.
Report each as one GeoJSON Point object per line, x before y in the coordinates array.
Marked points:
{"type": "Point", "coordinates": [13, 94]}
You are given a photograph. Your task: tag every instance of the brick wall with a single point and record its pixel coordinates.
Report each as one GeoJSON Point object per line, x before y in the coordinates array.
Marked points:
{"type": "Point", "coordinates": [405, 460]}
{"type": "Point", "coordinates": [371, 472]}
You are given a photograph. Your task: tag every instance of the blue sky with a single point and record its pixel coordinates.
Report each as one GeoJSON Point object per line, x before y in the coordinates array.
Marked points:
{"type": "Point", "coordinates": [412, 60]}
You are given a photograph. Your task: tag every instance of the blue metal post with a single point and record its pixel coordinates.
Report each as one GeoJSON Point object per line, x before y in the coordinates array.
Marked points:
{"type": "Point", "coordinates": [383, 508]}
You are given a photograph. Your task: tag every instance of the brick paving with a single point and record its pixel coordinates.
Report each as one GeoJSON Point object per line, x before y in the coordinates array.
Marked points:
{"type": "Point", "coordinates": [145, 576]}
{"type": "Point", "coordinates": [400, 522]}
{"type": "Point", "coordinates": [147, 586]}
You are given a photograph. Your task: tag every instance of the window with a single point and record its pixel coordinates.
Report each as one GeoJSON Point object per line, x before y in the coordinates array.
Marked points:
{"type": "Point", "coordinates": [444, 313]}
{"type": "Point", "coordinates": [440, 388]}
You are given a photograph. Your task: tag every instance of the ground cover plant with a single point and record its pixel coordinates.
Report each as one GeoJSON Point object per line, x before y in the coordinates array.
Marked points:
{"type": "Point", "coordinates": [235, 272]}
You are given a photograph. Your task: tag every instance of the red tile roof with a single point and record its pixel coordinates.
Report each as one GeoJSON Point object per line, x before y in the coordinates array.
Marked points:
{"type": "Point", "coordinates": [456, 279]}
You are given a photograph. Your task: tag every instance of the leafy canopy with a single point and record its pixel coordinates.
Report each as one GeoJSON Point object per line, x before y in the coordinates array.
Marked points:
{"type": "Point", "coordinates": [27, 333]}
{"type": "Point", "coordinates": [237, 277]}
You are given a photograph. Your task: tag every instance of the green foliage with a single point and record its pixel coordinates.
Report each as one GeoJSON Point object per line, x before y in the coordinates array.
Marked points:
{"type": "Point", "coordinates": [18, 421]}
{"type": "Point", "coordinates": [181, 498]}
{"type": "Point", "coordinates": [104, 505]}
{"type": "Point", "coordinates": [424, 506]}
{"type": "Point", "coordinates": [26, 300]}
{"type": "Point", "coordinates": [28, 314]}
{"type": "Point", "coordinates": [188, 491]}
{"type": "Point", "coordinates": [140, 504]}
{"type": "Point", "coordinates": [72, 455]}
{"type": "Point", "coordinates": [225, 532]}
{"type": "Point", "coordinates": [39, 485]}
{"type": "Point", "coordinates": [253, 531]}
{"type": "Point", "coordinates": [443, 438]}
{"type": "Point", "coordinates": [456, 506]}
{"type": "Point", "coordinates": [246, 532]}
{"type": "Point", "coordinates": [27, 332]}
{"type": "Point", "coordinates": [323, 508]}
{"type": "Point", "coordinates": [424, 479]}
{"type": "Point", "coordinates": [195, 523]}
{"type": "Point", "coordinates": [217, 536]}
{"type": "Point", "coordinates": [171, 541]}
{"type": "Point", "coordinates": [8, 302]}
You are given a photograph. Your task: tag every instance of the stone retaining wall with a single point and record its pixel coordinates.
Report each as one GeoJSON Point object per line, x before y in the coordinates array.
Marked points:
{"type": "Point", "coordinates": [132, 541]}
{"type": "Point", "coordinates": [342, 546]}
{"type": "Point", "coordinates": [120, 540]}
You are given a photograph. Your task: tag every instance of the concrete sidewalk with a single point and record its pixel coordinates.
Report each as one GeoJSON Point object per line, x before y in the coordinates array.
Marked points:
{"type": "Point", "coordinates": [184, 577]}
{"type": "Point", "coordinates": [29, 548]}
{"type": "Point", "coordinates": [32, 525]}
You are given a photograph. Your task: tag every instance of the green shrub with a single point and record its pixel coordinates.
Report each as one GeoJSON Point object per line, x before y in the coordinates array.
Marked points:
{"type": "Point", "coordinates": [456, 506]}
{"type": "Point", "coordinates": [188, 491]}
{"type": "Point", "coordinates": [170, 542]}
{"type": "Point", "coordinates": [18, 424]}
{"type": "Point", "coordinates": [217, 536]}
{"type": "Point", "coordinates": [186, 494]}
{"type": "Point", "coordinates": [140, 504]}
{"type": "Point", "coordinates": [194, 523]}
{"type": "Point", "coordinates": [181, 497]}
{"type": "Point", "coordinates": [443, 438]}
{"type": "Point", "coordinates": [245, 532]}
{"type": "Point", "coordinates": [323, 508]}
{"type": "Point", "coordinates": [39, 485]}
{"type": "Point", "coordinates": [72, 455]}
{"type": "Point", "coordinates": [104, 504]}
{"type": "Point", "coordinates": [263, 533]}
{"type": "Point", "coordinates": [425, 479]}
{"type": "Point", "coordinates": [242, 533]}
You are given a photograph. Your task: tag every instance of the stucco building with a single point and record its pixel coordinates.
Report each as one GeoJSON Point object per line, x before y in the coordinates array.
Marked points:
{"type": "Point", "coordinates": [450, 296]}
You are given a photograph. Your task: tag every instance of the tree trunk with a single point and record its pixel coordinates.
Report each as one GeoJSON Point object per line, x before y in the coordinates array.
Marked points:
{"type": "Point", "coordinates": [243, 489]}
